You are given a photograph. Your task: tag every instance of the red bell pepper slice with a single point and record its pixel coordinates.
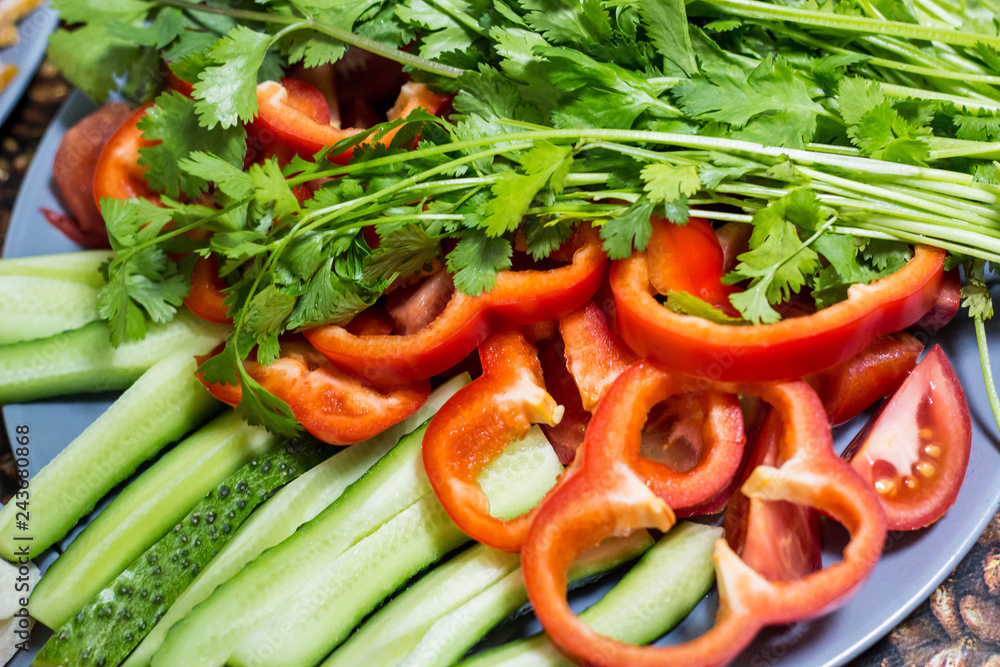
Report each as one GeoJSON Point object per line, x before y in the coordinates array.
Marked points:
{"type": "Point", "coordinates": [293, 118]}
{"type": "Point", "coordinates": [607, 497]}
{"type": "Point", "coordinates": [118, 174]}
{"type": "Point", "coordinates": [850, 387]}
{"type": "Point", "coordinates": [595, 356]}
{"type": "Point", "coordinates": [206, 299]}
{"type": "Point", "coordinates": [778, 539]}
{"type": "Point", "coordinates": [519, 298]}
{"type": "Point", "coordinates": [784, 350]}
{"type": "Point", "coordinates": [475, 426]}
{"type": "Point", "coordinates": [689, 258]}
{"type": "Point", "coordinates": [333, 406]}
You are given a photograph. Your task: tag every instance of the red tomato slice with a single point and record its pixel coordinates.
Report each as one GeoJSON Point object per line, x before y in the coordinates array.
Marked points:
{"type": "Point", "coordinates": [914, 452]}
{"type": "Point", "coordinates": [118, 174]}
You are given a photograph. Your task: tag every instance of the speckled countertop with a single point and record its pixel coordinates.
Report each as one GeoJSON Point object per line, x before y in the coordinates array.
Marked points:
{"type": "Point", "coordinates": [959, 626]}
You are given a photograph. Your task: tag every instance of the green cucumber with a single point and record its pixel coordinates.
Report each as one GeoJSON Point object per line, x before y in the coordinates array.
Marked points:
{"type": "Point", "coordinates": [308, 626]}
{"type": "Point", "coordinates": [82, 267]}
{"type": "Point", "coordinates": [83, 360]}
{"type": "Point", "coordinates": [414, 626]}
{"type": "Point", "coordinates": [144, 512]}
{"type": "Point", "coordinates": [164, 404]}
{"type": "Point", "coordinates": [291, 507]}
{"type": "Point", "coordinates": [117, 617]}
{"type": "Point", "coordinates": [655, 595]}
{"type": "Point", "coordinates": [236, 609]}
{"type": "Point", "coordinates": [32, 307]}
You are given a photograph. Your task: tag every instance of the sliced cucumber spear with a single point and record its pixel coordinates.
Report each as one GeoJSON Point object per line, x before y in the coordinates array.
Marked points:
{"type": "Point", "coordinates": [412, 628]}
{"type": "Point", "coordinates": [83, 361]}
{"type": "Point", "coordinates": [117, 617]}
{"type": "Point", "coordinates": [307, 626]}
{"type": "Point", "coordinates": [244, 605]}
{"type": "Point", "coordinates": [143, 513]}
{"type": "Point", "coordinates": [655, 595]}
{"type": "Point", "coordinates": [291, 507]}
{"type": "Point", "coordinates": [32, 307]}
{"type": "Point", "coordinates": [82, 267]}
{"type": "Point", "coordinates": [164, 404]}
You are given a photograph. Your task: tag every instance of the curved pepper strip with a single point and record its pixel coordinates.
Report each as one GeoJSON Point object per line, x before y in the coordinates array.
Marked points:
{"type": "Point", "coordinates": [206, 298]}
{"type": "Point", "coordinates": [331, 405]}
{"type": "Point", "coordinates": [785, 350]}
{"type": "Point", "coordinates": [118, 174]}
{"type": "Point", "coordinates": [606, 497]}
{"type": "Point", "coordinates": [519, 298]}
{"type": "Point", "coordinates": [594, 355]}
{"type": "Point", "coordinates": [475, 426]}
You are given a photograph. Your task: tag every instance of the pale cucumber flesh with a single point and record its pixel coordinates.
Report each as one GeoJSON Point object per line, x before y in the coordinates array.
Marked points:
{"type": "Point", "coordinates": [416, 625]}
{"type": "Point", "coordinates": [80, 267]}
{"type": "Point", "coordinates": [291, 507]}
{"type": "Point", "coordinates": [83, 360]}
{"type": "Point", "coordinates": [143, 512]}
{"type": "Point", "coordinates": [655, 595]}
{"type": "Point", "coordinates": [32, 307]}
{"type": "Point", "coordinates": [303, 630]}
{"type": "Point", "coordinates": [164, 404]}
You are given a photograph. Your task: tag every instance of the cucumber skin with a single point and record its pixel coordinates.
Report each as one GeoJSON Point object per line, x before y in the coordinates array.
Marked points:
{"type": "Point", "coordinates": [292, 506]}
{"type": "Point", "coordinates": [650, 600]}
{"type": "Point", "coordinates": [83, 360]}
{"type": "Point", "coordinates": [117, 618]}
{"type": "Point", "coordinates": [164, 404]}
{"type": "Point", "coordinates": [83, 267]}
{"type": "Point", "coordinates": [144, 512]}
{"type": "Point", "coordinates": [215, 627]}
{"type": "Point", "coordinates": [33, 307]}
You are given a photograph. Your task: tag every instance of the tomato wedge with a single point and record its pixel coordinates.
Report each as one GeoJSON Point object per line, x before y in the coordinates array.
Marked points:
{"type": "Point", "coordinates": [914, 452]}
{"type": "Point", "coordinates": [333, 406]}
{"type": "Point", "coordinates": [206, 299]}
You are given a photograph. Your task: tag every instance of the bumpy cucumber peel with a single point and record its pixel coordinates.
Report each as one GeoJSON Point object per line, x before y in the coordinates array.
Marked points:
{"type": "Point", "coordinates": [104, 632]}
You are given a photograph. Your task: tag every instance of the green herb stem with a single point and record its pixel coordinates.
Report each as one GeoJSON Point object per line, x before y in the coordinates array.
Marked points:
{"type": "Point", "coordinates": [984, 360]}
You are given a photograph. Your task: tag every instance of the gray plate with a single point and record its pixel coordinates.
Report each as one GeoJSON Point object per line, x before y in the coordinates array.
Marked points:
{"type": "Point", "coordinates": [34, 32]}
{"type": "Point", "coordinates": [914, 563]}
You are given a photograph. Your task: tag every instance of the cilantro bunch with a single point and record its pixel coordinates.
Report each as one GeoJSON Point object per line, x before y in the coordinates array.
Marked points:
{"type": "Point", "coordinates": [842, 131]}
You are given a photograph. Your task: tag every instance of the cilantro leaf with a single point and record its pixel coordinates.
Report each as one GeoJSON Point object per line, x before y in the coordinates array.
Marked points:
{"type": "Point", "coordinates": [770, 105]}
{"type": "Point", "coordinates": [330, 299]}
{"type": "Point", "coordinates": [226, 93]}
{"type": "Point", "coordinates": [230, 179]}
{"type": "Point", "coordinates": [778, 262]}
{"type": "Point", "coordinates": [688, 304]}
{"type": "Point", "coordinates": [631, 229]}
{"type": "Point", "coordinates": [402, 253]}
{"type": "Point", "coordinates": [91, 59]}
{"type": "Point", "coordinates": [569, 21]}
{"type": "Point", "coordinates": [264, 319]}
{"type": "Point", "coordinates": [667, 24]}
{"type": "Point", "coordinates": [544, 239]}
{"type": "Point", "coordinates": [167, 26]}
{"type": "Point", "coordinates": [100, 11]}
{"type": "Point", "coordinates": [514, 192]}
{"type": "Point", "coordinates": [667, 183]}
{"type": "Point", "coordinates": [476, 260]}
{"type": "Point", "coordinates": [172, 123]}
{"type": "Point", "coordinates": [271, 188]}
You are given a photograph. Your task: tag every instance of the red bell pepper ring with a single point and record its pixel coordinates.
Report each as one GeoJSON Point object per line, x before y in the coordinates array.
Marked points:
{"type": "Point", "coordinates": [689, 258]}
{"type": "Point", "coordinates": [778, 539]}
{"type": "Point", "coordinates": [784, 350]}
{"type": "Point", "coordinates": [206, 299]}
{"type": "Point", "coordinates": [293, 118]}
{"type": "Point", "coordinates": [607, 497]}
{"type": "Point", "coordinates": [850, 387]}
{"type": "Point", "coordinates": [333, 406]}
{"type": "Point", "coordinates": [475, 426]}
{"type": "Point", "coordinates": [519, 298]}
{"type": "Point", "coordinates": [595, 356]}
{"type": "Point", "coordinates": [118, 174]}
